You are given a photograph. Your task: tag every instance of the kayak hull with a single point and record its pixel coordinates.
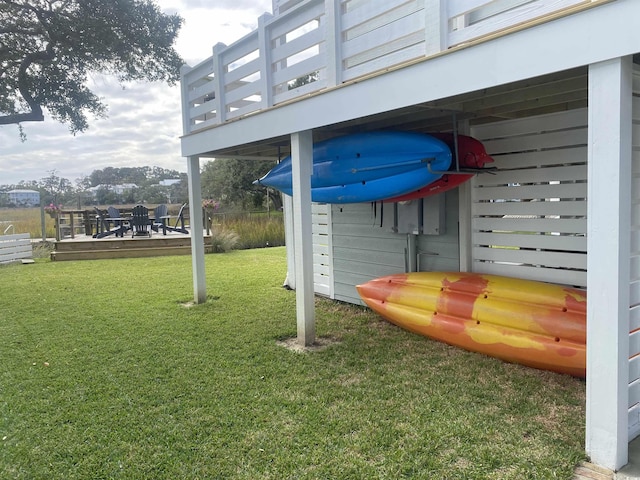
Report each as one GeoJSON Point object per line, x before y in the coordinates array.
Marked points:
{"type": "Point", "coordinates": [520, 321]}
{"type": "Point", "coordinates": [471, 154]}
{"type": "Point", "coordinates": [367, 167]}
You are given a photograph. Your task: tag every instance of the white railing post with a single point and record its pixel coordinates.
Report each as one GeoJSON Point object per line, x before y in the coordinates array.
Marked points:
{"type": "Point", "coordinates": [333, 41]}
{"type": "Point", "coordinates": [436, 26]}
{"type": "Point", "coordinates": [186, 104]}
{"type": "Point", "coordinates": [218, 77]}
{"type": "Point", "coordinates": [266, 75]}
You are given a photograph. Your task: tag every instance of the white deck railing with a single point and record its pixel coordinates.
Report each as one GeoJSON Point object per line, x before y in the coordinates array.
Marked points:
{"type": "Point", "coordinates": [311, 45]}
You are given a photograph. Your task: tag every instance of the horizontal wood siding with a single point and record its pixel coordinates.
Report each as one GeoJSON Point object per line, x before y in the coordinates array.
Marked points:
{"type": "Point", "coordinates": [322, 246]}
{"type": "Point", "coordinates": [401, 23]}
{"type": "Point", "coordinates": [634, 313]}
{"type": "Point", "coordinates": [362, 249]}
{"type": "Point", "coordinates": [366, 247]}
{"type": "Point", "coordinates": [15, 247]}
{"type": "Point", "coordinates": [529, 219]}
{"type": "Point", "coordinates": [473, 19]}
{"type": "Point", "coordinates": [442, 252]}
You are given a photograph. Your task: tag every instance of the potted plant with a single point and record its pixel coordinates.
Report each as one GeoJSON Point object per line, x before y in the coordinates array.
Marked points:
{"type": "Point", "coordinates": [52, 209]}
{"type": "Point", "coordinates": [208, 207]}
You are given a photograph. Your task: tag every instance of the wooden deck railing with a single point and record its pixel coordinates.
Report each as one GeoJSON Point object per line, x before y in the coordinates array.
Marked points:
{"type": "Point", "coordinates": [329, 42]}
{"type": "Point", "coordinates": [72, 222]}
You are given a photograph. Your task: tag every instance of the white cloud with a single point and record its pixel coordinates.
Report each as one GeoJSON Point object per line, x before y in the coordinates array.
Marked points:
{"type": "Point", "coordinates": [144, 120]}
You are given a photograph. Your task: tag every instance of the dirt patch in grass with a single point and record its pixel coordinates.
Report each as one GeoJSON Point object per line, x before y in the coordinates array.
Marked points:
{"type": "Point", "coordinates": [320, 344]}
{"type": "Point", "coordinates": [192, 303]}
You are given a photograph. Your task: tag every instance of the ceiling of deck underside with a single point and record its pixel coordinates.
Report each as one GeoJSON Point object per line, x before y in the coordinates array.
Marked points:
{"type": "Point", "coordinates": [556, 92]}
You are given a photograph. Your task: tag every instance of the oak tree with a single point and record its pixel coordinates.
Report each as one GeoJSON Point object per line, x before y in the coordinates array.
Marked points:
{"type": "Point", "coordinates": [49, 48]}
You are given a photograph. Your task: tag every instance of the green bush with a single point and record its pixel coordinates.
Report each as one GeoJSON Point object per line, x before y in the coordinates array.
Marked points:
{"type": "Point", "coordinates": [224, 240]}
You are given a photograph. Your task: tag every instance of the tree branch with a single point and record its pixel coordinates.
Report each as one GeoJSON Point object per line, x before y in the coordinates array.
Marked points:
{"type": "Point", "coordinates": [33, 116]}
{"type": "Point", "coordinates": [35, 113]}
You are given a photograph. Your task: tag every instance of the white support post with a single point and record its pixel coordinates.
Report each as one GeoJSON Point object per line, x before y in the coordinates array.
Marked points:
{"type": "Point", "coordinates": [197, 234]}
{"type": "Point", "coordinates": [287, 204]}
{"type": "Point", "coordinates": [465, 213]}
{"type": "Point", "coordinates": [608, 274]}
{"type": "Point", "coordinates": [302, 168]}
{"type": "Point", "coordinates": [465, 208]}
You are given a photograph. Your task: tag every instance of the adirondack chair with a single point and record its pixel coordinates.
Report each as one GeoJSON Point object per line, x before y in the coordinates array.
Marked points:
{"type": "Point", "coordinates": [161, 215]}
{"type": "Point", "coordinates": [179, 221]}
{"type": "Point", "coordinates": [120, 222]}
{"type": "Point", "coordinates": [102, 224]}
{"type": "Point", "coordinates": [109, 223]}
{"type": "Point", "coordinates": [139, 222]}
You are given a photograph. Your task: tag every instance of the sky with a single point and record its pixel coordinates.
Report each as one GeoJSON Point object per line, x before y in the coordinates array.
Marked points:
{"type": "Point", "coordinates": [144, 120]}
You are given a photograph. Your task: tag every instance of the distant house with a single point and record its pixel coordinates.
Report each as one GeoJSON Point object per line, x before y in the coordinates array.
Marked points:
{"type": "Point", "coordinates": [117, 189]}
{"type": "Point", "coordinates": [24, 198]}
{"type": "Point", "coordinates": [168, 182]}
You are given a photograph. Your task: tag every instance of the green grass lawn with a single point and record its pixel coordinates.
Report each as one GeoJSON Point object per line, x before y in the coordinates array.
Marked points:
{"type": "Point", "coordinates": [105, 374]}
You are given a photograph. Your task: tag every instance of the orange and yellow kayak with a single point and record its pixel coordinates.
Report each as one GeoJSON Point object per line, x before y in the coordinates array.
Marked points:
{"type": "Point", "coordinates": [537, 324]}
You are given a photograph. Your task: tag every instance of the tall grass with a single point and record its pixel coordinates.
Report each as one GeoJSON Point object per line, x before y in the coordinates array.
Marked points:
{"type": "Point", "coordinates": [26, 220]}
{"type": "Point", "coordinates": [230, 231]}
{"type": "Point", "coordinates": [252, 231]}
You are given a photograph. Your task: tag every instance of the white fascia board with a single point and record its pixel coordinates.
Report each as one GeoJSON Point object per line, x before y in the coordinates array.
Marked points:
{"type": "Point", "coordinates": [591, 36]}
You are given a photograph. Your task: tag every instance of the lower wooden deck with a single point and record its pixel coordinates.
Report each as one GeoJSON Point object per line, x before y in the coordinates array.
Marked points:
{"type": "Point", "coordinates": [85, 247]}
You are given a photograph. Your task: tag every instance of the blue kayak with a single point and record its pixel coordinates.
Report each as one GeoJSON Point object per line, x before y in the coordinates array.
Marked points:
{"type": "Point", "coordinates": [367, 167]}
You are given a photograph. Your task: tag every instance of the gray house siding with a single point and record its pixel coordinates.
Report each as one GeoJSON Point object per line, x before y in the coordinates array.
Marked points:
{"type": "Point", "coordinates": [365, 245]}
{"type": "Point", "coordinates": [442, 252]}
{"type": "Point", "coordinates": [362, 249]}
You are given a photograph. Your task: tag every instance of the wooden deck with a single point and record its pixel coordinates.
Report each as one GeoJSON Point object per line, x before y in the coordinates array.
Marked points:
{"type": "Point", "coordinates": [85, 247]}
{"type": "Point", "coordinates": [589, 471]}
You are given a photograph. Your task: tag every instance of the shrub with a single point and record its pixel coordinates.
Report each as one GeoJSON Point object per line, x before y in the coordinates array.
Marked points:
{"type": "Point", "coordinates": [223, 240]}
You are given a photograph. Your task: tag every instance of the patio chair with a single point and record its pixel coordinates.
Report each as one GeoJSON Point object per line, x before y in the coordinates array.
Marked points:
{"type": "Point", "coordinates": [160, 215]}
{"type": "Point", "coordinates": [139, 222]}
{"type": "Point", "coordinates": [102, 224]}
{"type": "Point", "coordinates": [179, 221]}
{"type": "Point", "coordinates": [120, 222]}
